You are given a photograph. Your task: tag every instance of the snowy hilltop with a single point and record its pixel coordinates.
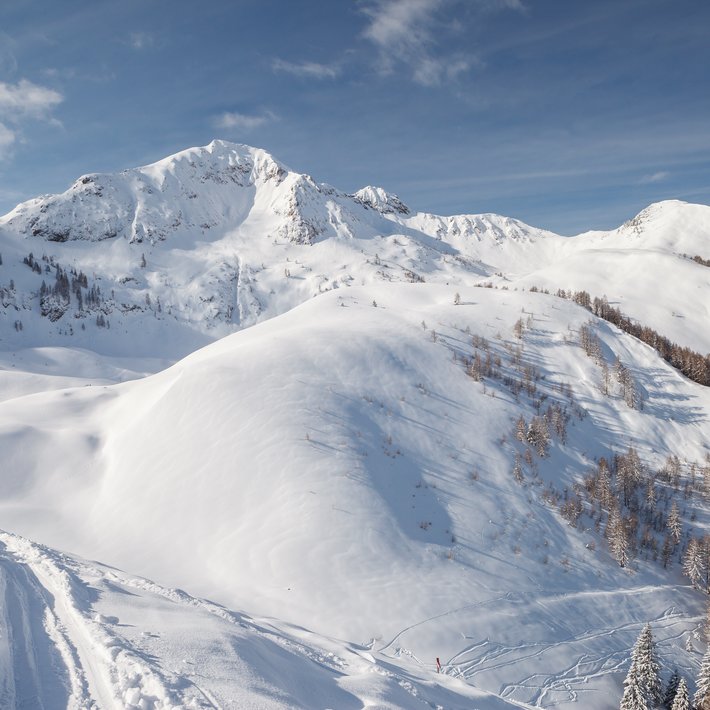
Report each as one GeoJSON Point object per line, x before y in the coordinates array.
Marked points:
{"type": "Point", "coordinates": [393, 459]}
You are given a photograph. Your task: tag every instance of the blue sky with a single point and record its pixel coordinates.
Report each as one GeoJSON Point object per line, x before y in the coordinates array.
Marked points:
{"type": "Point", "coordinates": [568, 115]}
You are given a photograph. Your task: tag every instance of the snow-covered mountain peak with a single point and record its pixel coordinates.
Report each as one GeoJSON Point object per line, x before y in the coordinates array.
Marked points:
{"type": "Point", "coordinates": [193, 190]}
{"type": "Point", "coordinates": [220, 161]}
{"type": "Point", "coordinates": [213, 237]}
{"type": "Point", "coordinates": [673, 225]}
{"type": "Point", "coordinates": [382, 201]}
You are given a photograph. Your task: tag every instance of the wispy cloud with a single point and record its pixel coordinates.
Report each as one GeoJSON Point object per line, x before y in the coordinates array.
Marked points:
{"type": "Point", "coordinates": [27, 99]}
{"type": "Point", "coordinates": [310, 70]}
{"type": "Point", "coordinates": [243, 121]}
{"type": "Point", "coordinates": [510, 5]}
{"type": "Point", "coordinates": [405, 31]}
{"type": "Point", "coordinates": [8, 61]}
{"type": "Point", "coordinates": [654, 177]}
{"type": "Point", "coordinates": [20, 103]}
{"type": "Point", "coordinates": [400, 24]}
{"type": "Point", "coordinates": [7, 138]}
{"type": "Point", "coordinates": [431, 71]}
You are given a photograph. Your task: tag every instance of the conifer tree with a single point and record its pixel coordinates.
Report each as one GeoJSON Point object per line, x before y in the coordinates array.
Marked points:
{"type": "Point", "coordinates": [618, 538]}
{"type": "Point", "coordinates": [674, 525]}
{"type": "Point", "coordinates": [701, 700]}
{"type": "Point", "coordinates": [681, 701]}
{"type": "Point", "coordinates": [671, 690]}
{"type": "Point", "coordinates": [694, 563]}
{"type": "Point", "coordinates": [642, 687]}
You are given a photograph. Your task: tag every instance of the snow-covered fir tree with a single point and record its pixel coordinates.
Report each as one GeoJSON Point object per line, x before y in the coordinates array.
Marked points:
{"type": "Point", "coordinates": [642, 687]}
{"type": "Point", "coordinates": [671, 690]}
{"type": "Point", "coordinates": [701, 700]}
{"type": "Point", "coordinates": [674, 525]}
{"type": "Point", "coordinates": [618, 538]}
{"type": "Point", "coordinates": [681, 701]}
{"type": "Point", "coordinates": [694, 563]}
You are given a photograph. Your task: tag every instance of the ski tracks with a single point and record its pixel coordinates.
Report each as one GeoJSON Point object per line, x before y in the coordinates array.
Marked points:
{"type": "Point", "coordinates": [40, 667]}
{"type": "Point", "coordinates": [56, 653]}
{"type": "Point", "coordinates": [587, 653]}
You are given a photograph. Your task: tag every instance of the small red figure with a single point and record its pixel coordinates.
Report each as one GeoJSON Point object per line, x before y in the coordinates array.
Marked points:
{"type": "Point", "coordinates": [438, 665]}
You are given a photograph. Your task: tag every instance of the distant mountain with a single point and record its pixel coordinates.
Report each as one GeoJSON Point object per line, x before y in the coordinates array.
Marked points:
{"type": "Point", "coordinates": [218, 238]}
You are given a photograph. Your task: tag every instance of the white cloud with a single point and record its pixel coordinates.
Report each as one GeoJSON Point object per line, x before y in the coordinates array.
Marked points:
{"type": "Point", "coordinates": [433, 72]}
{"type": "Point", "coordinates": [404, 32]}
{"type": "Point", "coordinates": [399, 24]}
{"type": "Point", "coordinates": [27, 99]}
{"type": "Point", "coordinates": [409, 33]}
{"type": "Point", "coordinates": [312, 70]}
{"type": "Point", "coordinates": [20, 103]}
{"type": "Point", "coordinates": [141, 40]}
{"type": "Point", "coordinates": [243, 121]}
{"type": "Point", "coordinates": [654, 177]}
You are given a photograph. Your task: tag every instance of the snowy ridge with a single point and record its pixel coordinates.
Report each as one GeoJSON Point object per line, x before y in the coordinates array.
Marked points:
{"type": "Point", "coordinates": [382, 201]}
{"type": "Point", "coordinates": [217, 238]}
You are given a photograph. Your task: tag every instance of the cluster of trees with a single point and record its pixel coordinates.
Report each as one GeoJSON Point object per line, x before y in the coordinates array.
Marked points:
{"type": "Point", "coordinates": [692, 364]}
{"type": "Point", "coordinates": [699, 260]}
{"type": "Point", "coordinates": [34, 265]}
{"type": "Point", "coordinates": [621, 374]}
{"type": "Point", "coordinates": [641, 511]}
{"type": "Point", "coordinates": [56, 298]}
{"type": "Point", "coordinates": [517, 375]}
{"type": "Point", "coordinates": [643, 689]}
{"type": "Point", "coordinates": [539, 431]}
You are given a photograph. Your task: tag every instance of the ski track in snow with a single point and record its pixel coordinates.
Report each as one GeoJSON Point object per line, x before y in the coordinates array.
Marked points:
{"type": "Point", "coordinates": [57, 652]}
{"type": "Point", "coordinates": [540, 689]}
{"type": "Point", "coordinates": [40, 668]}
{"type": "Point", "coordinates": [61, 656]}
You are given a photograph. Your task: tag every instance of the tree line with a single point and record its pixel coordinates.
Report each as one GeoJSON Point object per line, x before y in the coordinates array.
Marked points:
{"type": "Point", "coordinates": [692, 364]}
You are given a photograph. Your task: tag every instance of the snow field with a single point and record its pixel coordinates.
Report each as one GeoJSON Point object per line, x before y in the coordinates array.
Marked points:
{"type": "Point", "coordinates": [318, 469]}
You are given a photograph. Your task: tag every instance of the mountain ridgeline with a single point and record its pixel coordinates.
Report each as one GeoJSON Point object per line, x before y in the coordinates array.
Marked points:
{"type": "Point", "coordinates": [218, 238]}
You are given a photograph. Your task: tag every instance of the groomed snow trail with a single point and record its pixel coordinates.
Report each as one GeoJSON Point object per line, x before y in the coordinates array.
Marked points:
{"type": "Point", "coordinates": [56, 652]}
{"type": "Point", "coordinates": [39, 666]}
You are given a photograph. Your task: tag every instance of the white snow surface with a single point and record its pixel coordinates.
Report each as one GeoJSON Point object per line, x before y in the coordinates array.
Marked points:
{"type": "Point", "coordinates": [323, 470]}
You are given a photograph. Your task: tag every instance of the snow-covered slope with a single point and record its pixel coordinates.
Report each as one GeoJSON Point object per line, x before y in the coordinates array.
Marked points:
{"type": "Point", "coordinates": [347, 466]}
{"type": "Point", "coordinates": [336, 468]}
{"type": "Point", "coordinates": [77, 634]}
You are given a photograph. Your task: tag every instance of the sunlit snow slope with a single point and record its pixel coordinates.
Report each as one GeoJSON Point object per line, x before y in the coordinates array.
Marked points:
{"type": "Point", "coordinates": [329, 446]}
{"type": "Point", "coordinates": [336, 468]}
